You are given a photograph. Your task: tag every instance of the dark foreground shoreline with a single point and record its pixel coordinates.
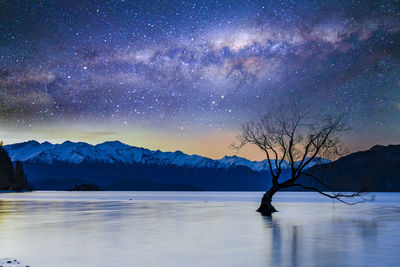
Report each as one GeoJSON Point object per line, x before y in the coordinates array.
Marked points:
{"type": "Point", "coordinates": [11, 262]}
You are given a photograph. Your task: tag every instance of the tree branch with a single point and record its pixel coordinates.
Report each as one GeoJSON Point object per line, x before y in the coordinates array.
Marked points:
{"type": "Point", "coordinates": [317, 179]}
{"type": "Point", "coordinates": [336, 196]}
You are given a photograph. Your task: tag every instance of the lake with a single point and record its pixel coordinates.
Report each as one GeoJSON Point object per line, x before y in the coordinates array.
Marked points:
{"type": "Point", "coordinates": [47, 228]}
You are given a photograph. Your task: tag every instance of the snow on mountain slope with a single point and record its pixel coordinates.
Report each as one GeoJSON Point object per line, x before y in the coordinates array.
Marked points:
{"type": "Point", "coordinates": [117, 152]}
{"type": "Point", "coordinates": [27, 150]}
{"type": "Point", "coordinates": [229, 161]}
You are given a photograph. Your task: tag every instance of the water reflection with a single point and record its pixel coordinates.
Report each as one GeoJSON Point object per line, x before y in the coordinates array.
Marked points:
{"type": "Point", "coordinates": [112, 231]}
{"type": "Point", "coordinates": [279, 245]}
{"type": "Point", "coordinates": [333, 240]}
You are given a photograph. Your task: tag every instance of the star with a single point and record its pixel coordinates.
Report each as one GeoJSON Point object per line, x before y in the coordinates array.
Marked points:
{"type": "Point", "coordinates": [156, 64]}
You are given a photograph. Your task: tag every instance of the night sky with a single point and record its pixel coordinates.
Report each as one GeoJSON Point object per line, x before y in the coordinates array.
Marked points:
{"type": "Point", "coordinates": [186, 74]}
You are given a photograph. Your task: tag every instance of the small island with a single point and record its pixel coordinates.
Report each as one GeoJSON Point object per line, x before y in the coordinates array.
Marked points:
{"type": "Point", "coordinates": [84, 187]}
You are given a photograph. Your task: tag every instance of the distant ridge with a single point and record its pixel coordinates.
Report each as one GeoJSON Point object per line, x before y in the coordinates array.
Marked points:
{"type": "Point", "coordinates": [117, 166]}
{"type": "Point", "coordinates": [117, 152]}
{"type": "Point", "coordinates": [375, 169]}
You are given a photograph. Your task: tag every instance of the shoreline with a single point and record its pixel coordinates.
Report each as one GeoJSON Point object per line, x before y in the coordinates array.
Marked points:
{"type": "Point", "coordinates": [8, 262]}
{"type": "Point", "coordinates": [15, 191]}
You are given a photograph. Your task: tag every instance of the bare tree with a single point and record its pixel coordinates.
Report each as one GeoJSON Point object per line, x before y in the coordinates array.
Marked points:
{"type": "Point", "coordinates": [295, 135]}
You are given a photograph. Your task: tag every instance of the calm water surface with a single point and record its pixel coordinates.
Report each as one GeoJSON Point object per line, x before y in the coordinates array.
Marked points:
{"type": "Point", "coordinates": [196, 229]}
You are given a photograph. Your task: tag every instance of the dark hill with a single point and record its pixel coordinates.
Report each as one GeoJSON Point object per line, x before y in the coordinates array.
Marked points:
{"type": "Point", "coordinates": [12, 176]}
{"type": "Point", "coordinates": [61, 176]}
{"type": "Point", "coordinates": [376, 169]}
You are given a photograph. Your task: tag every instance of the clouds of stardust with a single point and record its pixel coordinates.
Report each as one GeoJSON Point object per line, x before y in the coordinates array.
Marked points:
{"type": "Point", "coordinates": [195, 65]}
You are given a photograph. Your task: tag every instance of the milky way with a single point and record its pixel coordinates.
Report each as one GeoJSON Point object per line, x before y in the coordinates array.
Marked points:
{"type": "Point", "coordinates": [195, 65]}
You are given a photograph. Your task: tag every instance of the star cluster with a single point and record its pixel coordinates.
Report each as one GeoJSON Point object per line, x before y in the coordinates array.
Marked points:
{"type": "Point", "coordinates": [195, 65]}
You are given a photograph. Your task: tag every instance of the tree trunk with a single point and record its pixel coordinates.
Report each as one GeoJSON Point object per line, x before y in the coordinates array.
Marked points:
{"type": "Point", "coordinates": [266, 208]}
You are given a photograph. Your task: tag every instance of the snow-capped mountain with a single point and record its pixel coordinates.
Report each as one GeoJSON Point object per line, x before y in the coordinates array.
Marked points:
{"type": "Point", "coordinates": [117, 152]}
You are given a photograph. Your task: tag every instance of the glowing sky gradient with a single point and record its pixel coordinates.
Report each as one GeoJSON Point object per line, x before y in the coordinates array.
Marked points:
{"type": "Point", "coordinates": [185, 74]}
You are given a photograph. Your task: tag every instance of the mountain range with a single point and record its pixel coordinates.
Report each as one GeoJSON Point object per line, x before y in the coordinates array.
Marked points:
{"type": "Point", "coordinates": [116, 152]}
{"type": "Point", "coordinates": [117, 166]}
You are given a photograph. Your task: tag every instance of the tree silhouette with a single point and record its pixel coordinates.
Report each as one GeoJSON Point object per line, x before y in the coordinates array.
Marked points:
{"type": "Point", "coordinates": [6, 169]}
{"type": "Point", "coordinates": [11, 176]}
{"type": "Point", "coordinates": [20, 176]}
{"type": "Point", "coordinates": [295, 134]}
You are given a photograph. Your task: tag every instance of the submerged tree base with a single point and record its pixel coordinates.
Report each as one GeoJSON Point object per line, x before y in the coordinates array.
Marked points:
{"type": "Point", "coordinates": [266, 209]}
